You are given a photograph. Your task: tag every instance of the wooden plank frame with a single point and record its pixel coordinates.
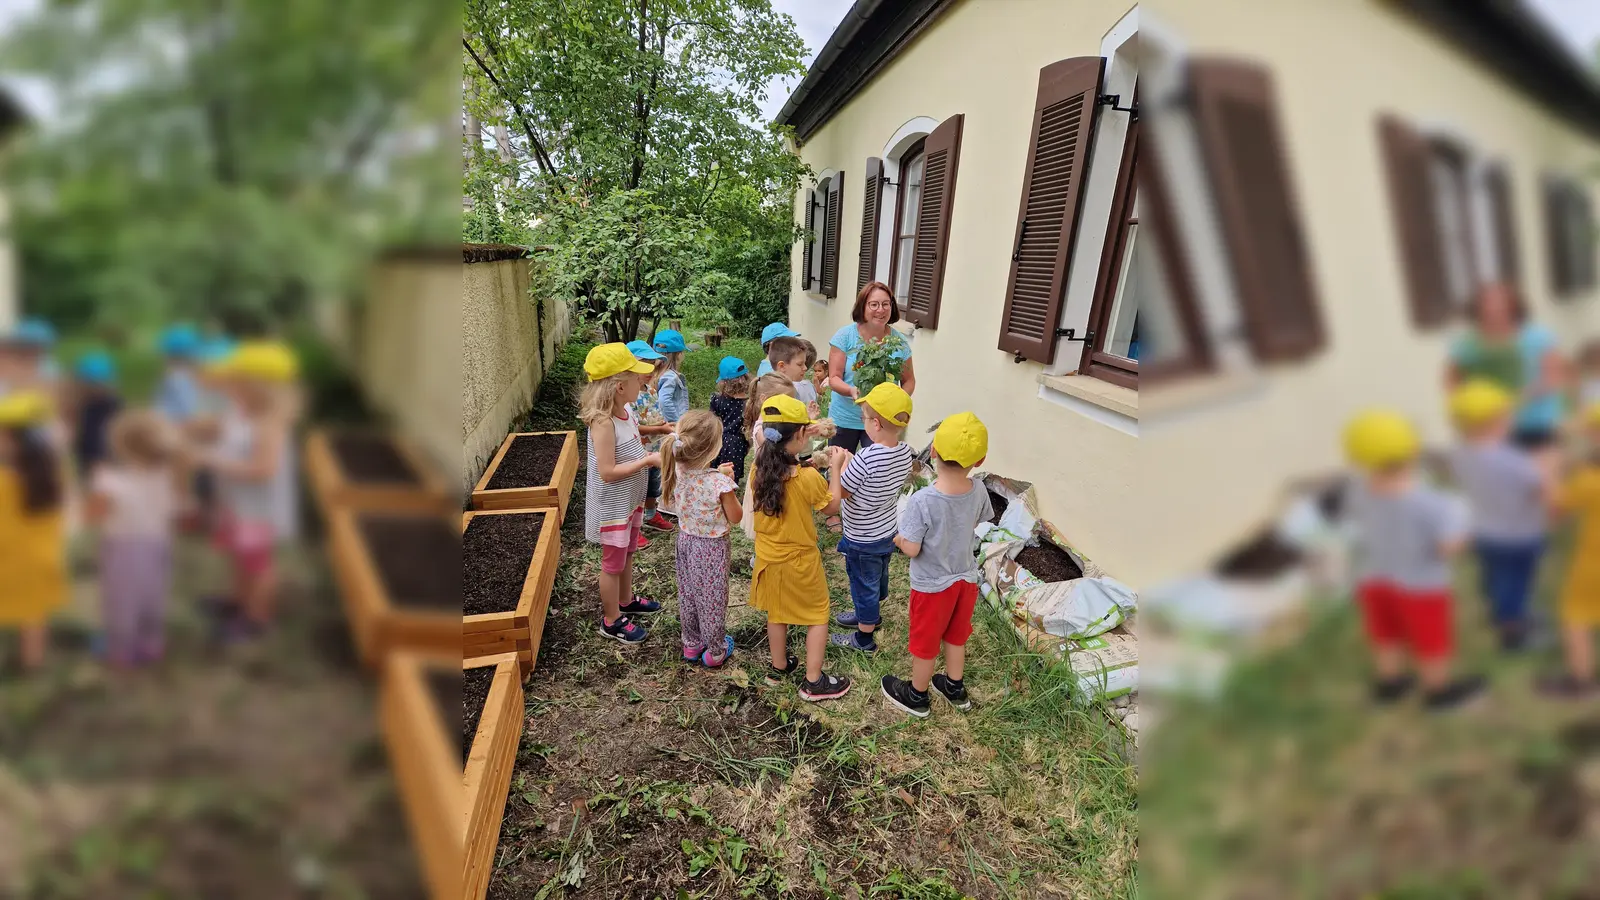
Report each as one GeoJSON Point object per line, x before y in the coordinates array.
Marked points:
{"type": "Point", "coordinates": [378, 626]}
{"type": "Point", "coordinates": [487, 778]}
{"type": "Point", "coordinates": [520, 630]}
{"type": "Point", "coordinates": [554, 495]}
{"type": "Point", "coordinates": [422, 754]}
{"type": "Point", "coordinates": [332, 489]}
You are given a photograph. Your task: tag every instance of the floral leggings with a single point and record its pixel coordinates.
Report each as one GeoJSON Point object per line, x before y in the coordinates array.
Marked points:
{"type": "Point", "coordinates": [702, 593]}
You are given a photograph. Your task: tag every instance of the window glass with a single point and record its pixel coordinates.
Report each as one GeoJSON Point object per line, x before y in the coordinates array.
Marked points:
{"type": "Point", "coordinates": [906, 239]}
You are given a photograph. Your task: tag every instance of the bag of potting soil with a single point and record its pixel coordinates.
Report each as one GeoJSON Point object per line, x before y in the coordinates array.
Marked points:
{"type": "Point", "coordinates": [1045, 582]}
{"type": "Point", "coordinates": [1016, 510]}
{"type": "Point", "coordinates": [1106, 665]}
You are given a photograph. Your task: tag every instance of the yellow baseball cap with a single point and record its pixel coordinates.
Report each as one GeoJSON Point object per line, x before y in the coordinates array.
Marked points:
{"type": "Point", "coordinates": [1591, 415]}
{"type": "Point", "coordinates": [1379, 438]}
{"type": "Point", "coordinates": [962, 439]}
{"type": "Point", "coordinates": [890, 401]}
{"type": "Point", "coordinates": [1479, 401]}
{"type": "Point", "coordinates": [263, 361]}
{"type": "Point", "coordinates": [784, 408]}
{"type": "Point", "coordinates": [607, 360]}
{"type": "Point", "coordinates": [23, 408]}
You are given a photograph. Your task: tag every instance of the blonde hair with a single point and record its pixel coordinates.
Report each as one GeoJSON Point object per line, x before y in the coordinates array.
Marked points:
{"type": "Point", "coordinates": [696, 443]}
{"type": "Point", "coordinates": [767, 386]}
{"type": "Point", "coordinates": [671, 360]}
{"type": "Point", "coordinates": [735, 387]}
{"type": "Point", "coordinates": [141, 438]}
{"type": "Point", "coordinates": [599, 397]}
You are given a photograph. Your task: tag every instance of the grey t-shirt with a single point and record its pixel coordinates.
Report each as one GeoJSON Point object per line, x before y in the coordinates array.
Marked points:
{"type": "Point", "coordinates": [943, 524]}
{"type": "Point", "coordinates": [1505, 489]}
{"type": "Point", "coordinates": [1398, 536]}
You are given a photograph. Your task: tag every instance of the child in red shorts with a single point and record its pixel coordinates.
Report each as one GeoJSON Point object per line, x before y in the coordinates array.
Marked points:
{"type": "Point", "coordinates": [1407, 533]}
{"type": "Point", "coordinates": [936, 531]}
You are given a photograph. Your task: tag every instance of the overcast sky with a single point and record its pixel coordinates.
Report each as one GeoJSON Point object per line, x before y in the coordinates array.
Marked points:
{"type": "Point", "coordinates": [815, 20]}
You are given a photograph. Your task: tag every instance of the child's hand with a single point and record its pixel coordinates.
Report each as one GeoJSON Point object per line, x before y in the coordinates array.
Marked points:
{"type": "Point", "coordinates": [651, 461]}
{"type": "Point", "coordinates": [813, 410]}
{"type": "Point", "coordinates": [726, 469]}
{"type": "Point", "coordinates": [838, 457]}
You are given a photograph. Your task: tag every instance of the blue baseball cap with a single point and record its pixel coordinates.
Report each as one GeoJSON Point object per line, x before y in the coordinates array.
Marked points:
{"type": "Point", "coordinates": [731, 367]}
{"type": "Point", "coordinates": [34, 332]}
{"type": "Point", "coordinates": [214, 349]}
{"type": "Point", "coordinates": [95, 367]}
{"type": "Point", "coordinates": [643, 350]}
{"type": "Point", "coordinates": [776, 330]}
{"type": "Point", "coordinates": [181, 340]}
{"type": "Point", "coordinates": [670, 341]}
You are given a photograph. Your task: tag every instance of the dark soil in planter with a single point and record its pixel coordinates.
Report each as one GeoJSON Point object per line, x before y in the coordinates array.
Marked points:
{"type": "Point", "coordinates": [418, 559]}
{"type": "Point", "coordinates": [372, 459]}
{"type": "Point", "coordinates": [1264, 557]}
{"type": "Point", "coordinates": [497, 552]}
{"type": "Point", "coordinates": [445, 686]}
{"type": "Point", "coordinates": [530, 461]}
{"type": "Point", "coordinates": [474, 695]}
{"type": "Point", "coordinates": [1000, 505]}
{"type": "Point", "coordinates": [1049, 563]}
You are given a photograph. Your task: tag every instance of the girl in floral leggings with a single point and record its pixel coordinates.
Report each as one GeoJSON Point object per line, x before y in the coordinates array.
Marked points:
{"type": "Point", "coordinates": [707, 501]}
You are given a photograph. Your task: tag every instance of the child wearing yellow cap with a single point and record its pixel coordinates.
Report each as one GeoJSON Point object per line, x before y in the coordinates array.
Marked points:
{"type": "Point", "coordinates": [1579, 496]}
{"type": "Point", "coordinates": [936, 531]}
{"type": "Point", "coordinates": [1508, 489]}
{"type": "Point", "coordinates": [870, 487]}
{"type": "Point", "coordinates": [788, 583]}
{"type": "Point", "coordinates": [618, 482]}
{"type": "Point", "coordinates": [1407, 533]}
{"type": "Point", "coordinates": [32, 530]}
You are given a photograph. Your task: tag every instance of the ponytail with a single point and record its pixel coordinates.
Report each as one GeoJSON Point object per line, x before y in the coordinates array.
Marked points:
{"type": "Point", "coordinates": [38, 470]}
{"type": "Point", "coordinates": [669, 468]}
{"type": "Point", "coordinates": [773, 462]}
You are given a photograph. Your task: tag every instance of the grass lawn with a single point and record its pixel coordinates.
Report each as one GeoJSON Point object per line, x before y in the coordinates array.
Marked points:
{"type": "Point", "coordinates": [638, 776]}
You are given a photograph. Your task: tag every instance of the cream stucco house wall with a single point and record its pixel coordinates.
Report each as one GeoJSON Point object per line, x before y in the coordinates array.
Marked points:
{"type": "Point", "coordinates": [980, 59]}
{"type": "Point", "coordinates": [11, 117]}
{"type": "Point", "coordinates": [1274, 329]}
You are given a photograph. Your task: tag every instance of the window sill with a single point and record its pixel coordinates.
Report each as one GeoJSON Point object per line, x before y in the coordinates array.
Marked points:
{"type": "Point", "coordinates": [1115, 398]}
{"type": "Point", "coordinates": [1201, 392]}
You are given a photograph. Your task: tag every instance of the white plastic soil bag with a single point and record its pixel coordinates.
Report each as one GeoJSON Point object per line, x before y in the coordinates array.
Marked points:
{"type": "Point", "coordinates": [1080, 608]}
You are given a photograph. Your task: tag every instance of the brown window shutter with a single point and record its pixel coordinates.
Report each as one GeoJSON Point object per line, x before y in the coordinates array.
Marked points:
{"type": "Point", "coordinates": [871, 200]}
{"type": "Point", "coordinates": [1570, 229]}
{"type": "Point", "coordinates": [1237, 119]}
{"type": "Point", "coordinates": [1555, 226]}
{"type": "Point", "coordinates": [1416, 224]}
{"type": "Point", "coordinates": [1047, 218]}
{"type": "Point", "coordinates": [941, 153]}
{"type": "Point", "coordinates": [1504, 219]}
{"type": "Point", "coordinates": [830, 237]}
{"type": "Point", "coordinates": [1586, 241]}
{"type": "Point", "coordinates": [810, 241]}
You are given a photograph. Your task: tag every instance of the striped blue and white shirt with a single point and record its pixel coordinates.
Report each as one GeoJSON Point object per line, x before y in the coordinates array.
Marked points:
{"type": "Point", "coordinates": [874, 478]}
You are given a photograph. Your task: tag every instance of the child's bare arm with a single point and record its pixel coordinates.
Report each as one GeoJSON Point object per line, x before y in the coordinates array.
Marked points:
{"type": "Point", "coordinates": [908, 547]}
{"type": "Point", "coordinates": [264, 457]}
{"type": "Point", "coordinates": [731, 508]}
{"type": "Point", "coordinates": [605, 455]}
{"type": "Point", "coordinates": [666, 428]}
{"type": "Point", "coordinates": [836, 460]}
{"type": "Point", "coordinates": [97, 507]}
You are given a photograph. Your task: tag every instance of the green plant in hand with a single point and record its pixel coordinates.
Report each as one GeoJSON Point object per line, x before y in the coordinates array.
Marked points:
{"type": "Point", "coordinates": [877, 361]}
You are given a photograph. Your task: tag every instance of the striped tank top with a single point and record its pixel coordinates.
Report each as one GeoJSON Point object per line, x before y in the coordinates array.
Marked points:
{"type": "Point", "coordinates": [609, 506]}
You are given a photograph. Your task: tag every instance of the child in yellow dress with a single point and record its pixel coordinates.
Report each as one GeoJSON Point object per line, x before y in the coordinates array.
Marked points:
{"type": "Point", "coordinates": [1580, 596]}
{"type": "Point", "coordinates": [789, 584]}
{"type": "Point", "coordinates": [32, 533]}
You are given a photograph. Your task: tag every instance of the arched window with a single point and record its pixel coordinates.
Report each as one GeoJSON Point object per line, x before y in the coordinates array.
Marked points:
{"type": "Point", "coordinates": [905, 221]}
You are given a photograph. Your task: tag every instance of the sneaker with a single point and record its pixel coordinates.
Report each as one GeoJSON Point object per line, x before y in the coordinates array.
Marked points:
{"type": "Point", "coordinates": [639, 605]}
{"type": "Point", "coordinates": [1388, 690]}
{"type": "Point", "coordinates": [692, 657]}
{"type": "Point", "coordinates": [624, 630]}
{"type": "Point", "coordinates": [952, 690]}
{"type": "Point", "coordinates": [658, 522]}
{"type": "Point", "coordinates": [902, 694]}
{"type": "Point", "coordinates": [777, 676]}
{"type": "Point", "coordinates": [1566, 687]}
{"type": "Point", "coordinates": [826, 687]}
{"type": "Point", "coordinates": [847, 619]}
{"type": "Point", "coordinates": [705, 658]}
{"type": "Point", "coordinates": [852, 641]}
{"type": "Point", "coordinates": [1513, 638]}
{"type": "Point", "coordinates": [641, 543]}
{"type": "Point", "coordinates": [1454, 694]}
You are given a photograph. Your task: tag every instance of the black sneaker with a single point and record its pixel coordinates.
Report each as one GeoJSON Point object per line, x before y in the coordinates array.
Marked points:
{"type": "Point", "coordinates": [1566, 687]}
{"type": "Point", "coordinates": [902, 694]}
{"type": "Point", "coordinates": [777, 676]}
{"type": "Point", "coordinates": [1454, 694]}
{"type": "Point", "coordinates": [852, 640]}
{"type": "Point", "coordinates": [826, 687]}
{"type": "Point", "coordinates": [624, 630]}
{"type": "Point", "coordinates": [1388, 690]}
{"type": "Point", "coordinates": [952, 690]}
{"type": "Point", "coordinates": [639, 605]}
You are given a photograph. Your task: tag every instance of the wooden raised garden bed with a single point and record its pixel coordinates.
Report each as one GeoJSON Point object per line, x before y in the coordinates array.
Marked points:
{"type": "Point", "coordinates": [491, 707]}
{"type": "Point", "coordinates": [370, 470]}
{"type": "Point", "coordinates": [420, 712]}
{"type": "Point", "coordinates": [531, 470]}
{"type": "Point", "coordinates": [399, 577]}
{"type": "Point", "coordinates": [508, 567]}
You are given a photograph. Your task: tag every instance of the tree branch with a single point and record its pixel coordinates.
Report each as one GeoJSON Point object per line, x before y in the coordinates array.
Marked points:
{"type": "Point", "coordinates": [540, 156]}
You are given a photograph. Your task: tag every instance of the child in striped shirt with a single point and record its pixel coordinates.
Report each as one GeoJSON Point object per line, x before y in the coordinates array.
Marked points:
{"type": "Point", "coordinates": [870, 489]}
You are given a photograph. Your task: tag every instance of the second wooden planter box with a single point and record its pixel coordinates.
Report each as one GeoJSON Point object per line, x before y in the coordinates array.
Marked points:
{"type": "Point", "coordinates": [399, 577]}
{"type": "Point", "coordinates": [531, 470]}
{"type": "Point", "coordinates": [508, 569]}
{"type": "Point", "coordinates": [370, 470]}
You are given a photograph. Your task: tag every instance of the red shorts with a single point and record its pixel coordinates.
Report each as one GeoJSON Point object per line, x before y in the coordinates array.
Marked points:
{"type": "Point", "coordinates": [250, 544]}
{"type": "Point", "coordinates": [614, 556]}
{"type": "Point", "coordinates": [945, 616]}
{"type": "Point", "coordinates": [1419, 620]}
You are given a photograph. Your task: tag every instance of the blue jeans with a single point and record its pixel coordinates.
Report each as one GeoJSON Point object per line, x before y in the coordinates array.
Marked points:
{"type": "Point", "coordinates": [1508, 570]}
{"type": "Point", "coordinates": [867, 564]}
{"type": "Point", "coordinates": [653, 489]}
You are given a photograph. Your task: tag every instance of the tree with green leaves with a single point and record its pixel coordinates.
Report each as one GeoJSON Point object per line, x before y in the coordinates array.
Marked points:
{"type": "Point", "coordinates": [638, 114]}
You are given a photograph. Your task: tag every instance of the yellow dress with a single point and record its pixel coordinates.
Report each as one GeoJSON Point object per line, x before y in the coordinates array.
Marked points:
{"type": "Point", "coordinates": [789, 584]}
{"type": "Point", "coordinates": [1580, 598]}
{"type": "Point", "coordinates": [33, 570]}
